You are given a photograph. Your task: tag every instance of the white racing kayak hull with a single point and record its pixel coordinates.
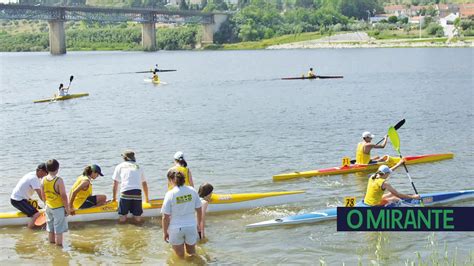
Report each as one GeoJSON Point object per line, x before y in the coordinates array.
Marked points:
{"type": "Point", "coordinates": [331, 213]}
{"type": "Point", "coordinates": [219, 203]}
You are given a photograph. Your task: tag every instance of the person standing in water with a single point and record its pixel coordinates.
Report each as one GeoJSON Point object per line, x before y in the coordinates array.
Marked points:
{"type": "Point", "coordinates": [182, 166]}
{"type": "Point", "coordinates": [180, 227]}
{"type": "Point", "coordinates": [364, 147]}
{"type": "Point", "coordinates": [57, 207]}
{"type": "Point", "coordinates": [205, 194]}
{"type": "Point", "coordinates": [131, 178]}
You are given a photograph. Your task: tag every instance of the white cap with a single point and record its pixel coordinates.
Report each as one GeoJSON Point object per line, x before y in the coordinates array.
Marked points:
{"type": "Point", "coordinates": [385, 169]}
{"type": "Point", "coordinates": [178, 155]}
{"type": "Point", "coordinates": [367, 134]}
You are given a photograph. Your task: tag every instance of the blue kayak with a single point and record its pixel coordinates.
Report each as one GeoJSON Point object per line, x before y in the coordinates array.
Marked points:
{"type": "Point", "coordinates": [331, 214]}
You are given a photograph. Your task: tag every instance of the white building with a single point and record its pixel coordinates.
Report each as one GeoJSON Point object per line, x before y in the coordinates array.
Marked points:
{"type": "Point", "coordinates": [448, 24]}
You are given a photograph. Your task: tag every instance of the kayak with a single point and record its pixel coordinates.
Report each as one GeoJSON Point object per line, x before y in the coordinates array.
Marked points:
{"type": "Point", "coordinates": [62, 98]}
{"type": "Point", "coordinates": [155, 81]}
{"type": "Point", "coordinates": [218, 203]}
{"type": "Point", "coordinates": [331, 214]}
{"type": "Point", "coordinates": [316, 77]}
{"type": "Point", "coordinates": [388, 160]}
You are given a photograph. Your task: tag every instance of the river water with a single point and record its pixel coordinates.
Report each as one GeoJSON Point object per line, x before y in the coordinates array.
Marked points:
{"type": "Point", "coordinates": [238, 125]}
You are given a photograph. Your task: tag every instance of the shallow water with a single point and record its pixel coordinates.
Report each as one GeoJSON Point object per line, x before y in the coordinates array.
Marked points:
{"type": "Point", "coordinates": [238, 125]}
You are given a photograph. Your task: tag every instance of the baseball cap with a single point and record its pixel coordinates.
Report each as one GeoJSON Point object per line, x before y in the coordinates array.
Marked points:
{"type": "Point", "coordinates": [385, 169]}
{"type": "Point", "coordinates": [97, 169]}
{"type": "Point", "coordinates": [367, 134]}
{"type": "Point", "coordinates": [179, 155]}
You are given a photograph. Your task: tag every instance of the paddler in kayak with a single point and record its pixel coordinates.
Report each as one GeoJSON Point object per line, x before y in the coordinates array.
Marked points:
{"type": "Point", "coordinates": [131, 177]}
{"type": "Point", "coordinates": [24, 190]}
{"type": "Point", "coordinates": [205, 194]}
{"type": "Point", "coordinates": [156, 68]}
{"type": "Point", "coordinates": [311, 73]}
{"type": "Point", "coordinates": [81, 193]}
{"type": "Point", "coordinates": [180, 208]}
{"type": "Point", "coordinates": [63, 91]}
{"type": "Point", "coordinates": [378, 184]}
{"type": "Point", "coordinates": [155, 77]}
{"type": "Point", "coordinates": [364, 147]}
{"type": "Point", "coordinates": [182, 166]}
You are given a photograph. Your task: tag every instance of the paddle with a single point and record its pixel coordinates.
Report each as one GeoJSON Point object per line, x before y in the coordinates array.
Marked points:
{"type": "Point", "coordinates": [396, 127]}
{"type": "Point", "coordinates": [395, 140]}
{"type": "Point", "coordinates": [68, 86]}
{"type": "Point", "coordinates": [41, 219]}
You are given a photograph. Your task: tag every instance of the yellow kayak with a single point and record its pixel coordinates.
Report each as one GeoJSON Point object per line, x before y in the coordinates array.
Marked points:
{"type": "Point", "coordinates": [353, 168]}
{"type": "Point", "coordinates": [62, 98]}
{"type": "Point", "coordinates": [218, 203]}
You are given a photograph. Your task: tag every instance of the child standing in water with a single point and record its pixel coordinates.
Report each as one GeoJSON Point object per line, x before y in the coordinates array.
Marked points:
{"type": "Point", "coordinates": [54, 193]}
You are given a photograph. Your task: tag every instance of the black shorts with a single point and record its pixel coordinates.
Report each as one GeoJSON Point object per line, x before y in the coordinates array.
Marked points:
{"type": "Point", "coordinates": [91, 201]}
{"type": "Point", "coordinates": [130, 201]}
{"type": "Point", "coordinates": [24, 206]}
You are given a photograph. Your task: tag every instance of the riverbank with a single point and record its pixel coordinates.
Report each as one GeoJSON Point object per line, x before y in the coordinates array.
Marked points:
{"type": "Point", "coordinates": [363, 40]}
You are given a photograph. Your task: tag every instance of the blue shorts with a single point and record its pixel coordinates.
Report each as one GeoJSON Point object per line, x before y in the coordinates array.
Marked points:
{"type": "Point", "coordinates": [91, 201]}
{"type": "Point", "coordinates": [24, 206]}
{"type": "Point", "coordinates": [131, 202]}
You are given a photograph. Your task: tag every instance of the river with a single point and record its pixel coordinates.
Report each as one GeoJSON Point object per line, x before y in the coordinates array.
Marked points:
{"type": "Point", "coordinates": [238, 125]}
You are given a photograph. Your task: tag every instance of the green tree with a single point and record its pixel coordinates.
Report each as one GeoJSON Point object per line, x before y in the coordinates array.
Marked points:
{"type": "Point", "coordinates": [183, 5]}
{"type": "Point", "coordinates": [392, 19]}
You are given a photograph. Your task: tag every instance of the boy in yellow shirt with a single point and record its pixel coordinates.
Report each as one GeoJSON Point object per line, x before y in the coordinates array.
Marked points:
{"type": "Point", "coordinates": [57, 207]}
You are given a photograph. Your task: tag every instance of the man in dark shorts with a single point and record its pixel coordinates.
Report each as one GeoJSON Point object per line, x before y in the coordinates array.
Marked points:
{"type": "Point", "coordinates": [131, 178]}
{"type": "Point", "coordinates": [24, 190]}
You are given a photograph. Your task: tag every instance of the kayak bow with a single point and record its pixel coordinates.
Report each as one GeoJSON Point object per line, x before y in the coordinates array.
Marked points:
{"type": "Point", "coordinates": [331, 214]}
{"type": "Point", "coordinates": [219, 203]}
{"type": "Point", "coordinates": [389, 160]}
{"type": "Point", "coordinates": [62, 98]}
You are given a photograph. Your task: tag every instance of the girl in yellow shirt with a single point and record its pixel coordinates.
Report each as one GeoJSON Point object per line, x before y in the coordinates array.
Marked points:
{"type": "Point", "coordinates": [81, 193]}
{"type": "Point", "coordinates": [377, 185]}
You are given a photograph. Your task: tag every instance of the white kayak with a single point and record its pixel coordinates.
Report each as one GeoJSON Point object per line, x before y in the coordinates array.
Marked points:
{"type": "Point", "coordinates": [219, 203]}
{"type": "Point", "coordinates": [331, 213]}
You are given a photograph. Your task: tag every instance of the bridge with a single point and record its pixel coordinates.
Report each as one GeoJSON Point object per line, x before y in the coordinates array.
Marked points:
{"type": "Point", "coordinates": [58, 15]}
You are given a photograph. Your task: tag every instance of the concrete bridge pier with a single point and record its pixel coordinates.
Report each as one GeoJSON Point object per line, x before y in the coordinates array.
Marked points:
{"type": "Point", "coordinates": [57, 37]}
{"type": "Point", "coordinates": [149, 36]}
{"type": "Point", "coordinates": [209, 29]}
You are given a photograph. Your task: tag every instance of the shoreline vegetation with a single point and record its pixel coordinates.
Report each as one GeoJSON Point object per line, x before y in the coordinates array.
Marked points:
{"type": "Point", "coordinates": [264, 24]}
{"type": "Point", "coordinates": [32, 36]}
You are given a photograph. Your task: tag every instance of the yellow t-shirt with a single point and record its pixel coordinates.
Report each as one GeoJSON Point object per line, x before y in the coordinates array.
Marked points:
{"type": "Point", "coordinates": [82, 195]}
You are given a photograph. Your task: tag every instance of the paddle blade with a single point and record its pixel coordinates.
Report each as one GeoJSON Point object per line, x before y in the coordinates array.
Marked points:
{"type": "Point", "coordinates": [399, 124]}
{"type": "Point", "coordinates": [394, 139]}
{"type": "Point", "coordinates": [40, 220]}
{"type": "Point", "coordinates": [71, 78]}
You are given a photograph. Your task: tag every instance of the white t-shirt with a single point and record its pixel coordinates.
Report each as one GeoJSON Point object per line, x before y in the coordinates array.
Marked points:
{"type": "Point", "coordinates": [26, 187]}
{"type": "Point", "coordinates": [181, 203]}
{"type": "Point", "coordinates": [130, 175]}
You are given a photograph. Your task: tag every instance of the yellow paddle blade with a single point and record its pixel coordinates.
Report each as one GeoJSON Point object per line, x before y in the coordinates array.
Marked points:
{"type": "Point", "coordinates": [40, 220]}
{"type": "Point", "coordinates": [394, 139]}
